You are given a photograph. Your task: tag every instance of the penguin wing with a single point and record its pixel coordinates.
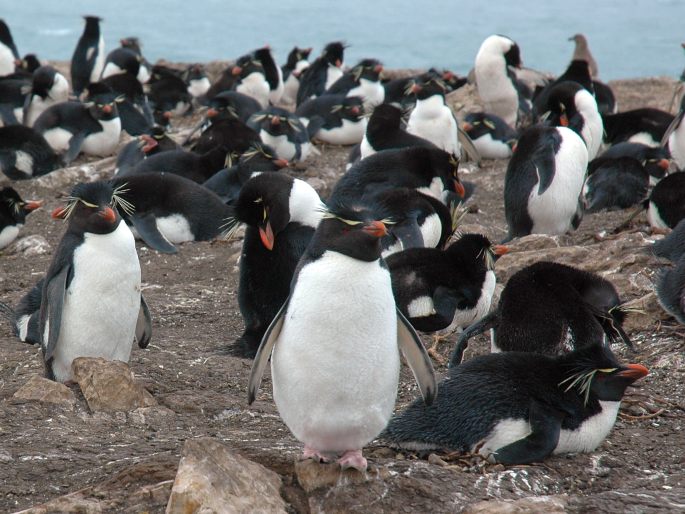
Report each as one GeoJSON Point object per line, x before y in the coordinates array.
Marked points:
{"type": "Point", "coordinates": [671, 128]}
{"type": "Point", "coordinates": [7, 115]}
{"type": "Point", "coordinates": [143, 324]}
{"type": "Point", "coordinates": [75, 144]}
{"type": "Point", "coordinates": [420, 363]}
{"type": "Point", "coordinates": [409, 233]}
{"type": "Point", "coordinates": [51, 311]}
{"type": "Point", "coordinates": [146, 225]}
{"type": "Point", "coordinates": [316, 123]}
{"type": "Point", "coordinates": [467, 145]}
{"type": "Point", "coordinates": [264, 352]}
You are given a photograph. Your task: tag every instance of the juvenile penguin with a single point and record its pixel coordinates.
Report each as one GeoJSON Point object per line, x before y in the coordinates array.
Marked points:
{"type": "Point", "coordinates": [317, 337]}
{"type": "Point", "coordinates": [283, 131]}
{"type": "Point", "coordinates": [89, 56]}
{"type": "Point", "coordinates": [13, 212]}
{"type": "Point", "coordinates": [543, 183]}
{"type": "Point", "coordinates": [322, 73]}
{"type": "Point", "coordinates": [91, 305]}
{"type": "Point", "coordinates": [364, 81]}
{"type": "Point", "coordinates": [47, 88]}
{"type": "Point", "coordinates": [25, 154]}
{"type": "Point", "coordinates": [518, 408]}
{"type": "Point", "coordinates": [9, 55]}
{"type": "Point", "coordinates": [666, 206]}
{"type": "Point", "coordinates": [579, 308]}
{"type": "Point", "coordinates": [281, 215]}
{"type": "Point", "coordinates": [334, 119]}
{"type": "Point", "coordinates": [292, 70]}
{"type": "Point", "coordinates": [491, 135]}
{"type": "Point", "coordinates": [494, 81]}
{"type": "Point", "coordinates": [581, 52]}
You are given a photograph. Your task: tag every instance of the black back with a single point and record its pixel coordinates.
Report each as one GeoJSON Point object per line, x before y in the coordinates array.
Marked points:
{"type": "Point", "coordinates": [654, 159]}
{"type": "Point", "coordinates": [384, 130]}
{"type": "Point", "coordinates": [577, 71]}
{"type": "Point", "coordinates": [279, 122]}
{"type": "Point", "coordinates": [482, 123]}
{"type": "Point", "coordinates": [669, 197]}
{"type": "Point", "coordinates": [615, 183]}
{"type": "Point", "coordinates": [621, 126]}
{"type": "Point", "coordinates": [190, 165]}
{"type": "Point", "coordinates": [313, 79]}
{"type": "Point", "coordinates": [232, 135]}
{"type": "Point", "coordinates": [85, 54]}
{"type": "Point", "coordinates": [234, 104]}
{"type": "Point", "coordinates": [670, 286]}
{"type": "Point", "coordinates": [6, 38]}
{"type": "Point", "coordinates": [672, 246]}
{"type": "Point", "coordinates": [330, 111]}
{"type": "Point", "coordinates": [20, 138]}
{"type": "Point", "coordinates": [369, 69]}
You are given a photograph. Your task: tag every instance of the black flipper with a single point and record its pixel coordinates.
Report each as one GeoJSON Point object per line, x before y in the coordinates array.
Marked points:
{"type": "Point", "coordinates": [75, 144]}
{"type": "Point", "coordinates": [445, 301]}
{"type": "Point", "coordinates": [146, 226]}
{"type": "Point", "coordinates": [487, 322]}
{"type": "Point", "coordinates": [143, 324]}
{"type": "Point", "coordinates": [51, 312]}
{"type": "Point", "coordinates": [316, 123]}
{"type": "Point", "coordinates": [545, 425]}
{"type": "Point", "coordinates": [409, 233]}
{"type": "Point", "coordinates": [418, 359]}
{"type": "Point", "coordinates": [7, 115]}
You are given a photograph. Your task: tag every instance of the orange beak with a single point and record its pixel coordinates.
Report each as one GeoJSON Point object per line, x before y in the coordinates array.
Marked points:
{"type": "Point", "coordinates": [32, 205]}
{"type": "Point", "coordinates": [108, 214]}
{"type": "Point", "coordinates": [150, 143]}
{"type": "Point", "coordinates": [500, 250]}
{"type": "Point", "coordinates": [634, 371]}
{"type": "Point", "coordinates": [376, 229]}
{"type": "Point", "coordinates": [58, 213]}
{"type": "Point", "coordinates": [459, 188]}
{"type": "Point", "coordinates": [338, 63]}
{"type": "Point", "coordinates": [107, 109]}
{"type": "Point", "coordinates": [467, 126]}
{"type": "Point", "coordinates": [275, 121]}
{"type": "Point", "coordinates": [378, 68]}
{"type": "Point", "coordinates": [281, 163]}
{"type": "Point", "coordinates": [415, 88]}
{"type": "Point", "coordinates": [211, 112]}
{"type": "Point", "coordinates": [267, 236]}
{"type": "Point", "coordinates": [167, 115]}
{"type": "Point", "coordinates": [237, 70]}
{"type": "Point", "coordinates": [663, 164]}
{"type": "Point", "coordinates": [563, 120]}
{"type": "Point", "coordinates": [354, 110]}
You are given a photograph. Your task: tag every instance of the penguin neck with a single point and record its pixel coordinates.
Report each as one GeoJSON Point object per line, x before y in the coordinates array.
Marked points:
{"type": "Point", "coordinates": [304, 204]}
{"type": "Point", "coordinates": [430, 107]}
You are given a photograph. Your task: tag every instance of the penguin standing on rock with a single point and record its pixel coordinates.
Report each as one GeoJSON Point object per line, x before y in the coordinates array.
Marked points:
{"type": "Point", "coordinates": [281, 215]}
{"type": "Point", "coordinates": [13, 212]}
{"type": "Point", "coordinates": [543, 183]}
{"type": "Point", "coordinates": [9, 55]}
{"type": "Point", "coordinates": [518, 408]}
{"type": "Point", "coordinates": [317, 338]}
{"type": "Point", "coordinates": [89, 56]}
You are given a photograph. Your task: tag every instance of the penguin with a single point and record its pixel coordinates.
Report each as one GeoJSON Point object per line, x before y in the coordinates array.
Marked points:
{"type": "Point", "coordinates": [431, 118]}
{"type": "Point", "coordinates": [132, 43]}
{"type": "Point", "coordinates": [13, 212]}
{"type": "Point", "coordinates": [581, 52]}
{"type": "Point", "coordinates": [655, 160]}
{"type": "Point", "coordinates": [71, 127]}
{"type": "Point", "coordinates": [491, 135]}
{"type": "Point", "coordinates": [616, 183]}
{"type": "Point", "coordinates": [322, 73]}
{"type": "Point", "coordinates": [517, 408]}
{"type": "Point", "coordinates": [283, 131]}
{"type": "Point", "coordinates": [13, 94]}
{"type": "Point", "coordinates": [280, 215]}
{"type": "Point", "coordinates": [228, 182]}
{"type": "Point", "coordinates": [134, 112]}
{"type": "Point", "coordinates": [48, 87]}
{"type": "Point", "coordinates": [579, 308]}
{"type": "Point", "coordinates": [363, 80]}
{"type": "Point", "coordinates": [436, 289]}
{"type": "Point", "coordinates": [9, 55]}
{"type": "Point", "coordinates": [126, 60]}
{"type": "Point", "coordinates": [670, 289]}
{"type": "Point", "coordinates": [229, 77]}
{"type": "Point", "coordinates": [428, 170]}
{"type": "Point", "coordinates": [384, 131]}
{"type": "Point", "coordinates": [666, 205]}
{"type": "Point", "coordinates": [295, 65]}
{"type": "Point", "coordinates": [272, 73]}
{"type": "Point", "coordinates": [191, 165]}
{"type": "Point", "coordinates": [334, 119]}
{"type": "Point", "coordinates": [196, 78]}
{"type": "Point", "coordinates": [225, 131]}
{"type": "Point", "coordinates": [142, 147]}
{"type": "Point", "coordinates": [674, 138]}
{"type": "Point", "coordinates": [91, 304]}
{"type": "Point", "coordinates": [168, 95]}
{"type": "Point", "coordinates": [252, 81]}
{"type": "Point", "coordinates": [672, 246]}
{"type": "Point", "coordinates": [25, 154]}
{"type": "Point", "coordinates": [24, 318]}
{"type": "Point", "coordinates": [318, 337]}
{"type": "Point", "coordinates": [29, 63]}
{"type": "Point", "coordinates": [570, 105]}
{"type": "Point", "coordinates": [89, 56]}
{"type": "Point", "coordinates": [646, 126]}
{"type": "Point", "coordinates": [231, 104]}
{"type": "Point", "coordinates": [494, 82]}
{"type": "Point", "coordinates": [577, 71]}
{"type": "Point", "coordinates": [170, 209]}
{"type": "Point", "coordinates": [544, 180]}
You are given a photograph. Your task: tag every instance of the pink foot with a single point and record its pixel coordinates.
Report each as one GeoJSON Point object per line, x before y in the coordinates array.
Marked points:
{"type": "Point", "coordinates": [311, 453]}
{"type": "Point", "coordinates": [353, 459]}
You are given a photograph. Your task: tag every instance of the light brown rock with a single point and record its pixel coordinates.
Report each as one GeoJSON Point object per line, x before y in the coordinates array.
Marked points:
{"type": "Point", "coordinates": [109, 385]}
{"type": "Point", "coordinates": [211, 478]}
{"type": "Point", "coordinates": [530, 505]}
{"type": "Point", "coordinates": [41, 389]}
{"type": "Point", "coordinates": [29, 246]}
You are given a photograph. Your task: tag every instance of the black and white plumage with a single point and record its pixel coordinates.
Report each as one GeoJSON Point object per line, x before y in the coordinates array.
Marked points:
{"type": "Point", "coordinates": [617, 183]}
{"type": "Point", "coordinates": [272, 73]}
{"type": "Point", "coordinates": [654, 159]}
{"type": "Point", "coordinates": [666, 205]}
{"type": "Point", "coordinates": [322, 73]}
{"type": "Point", "coordinates": [251, 80]}
{"type": "Point", "coordinates": [132, 105]}
{"type": "Point", "coordinates": [362, 80]}
{"type": "Point", "coordinates": [283, 131]}
{"type": "Point", "coordinates": [197, 80]}
{"type": "Point", "coordinates": [672, 246]}
{"type": "Point", "coordinates": [577, 72]}
{"type": "Point", "coordinates": [25, 154]}
{"type": "Point", "coordinates": [334, 119]}
{"type": "Point", "coordinates": [518, 408]}
{"type": "Point", "coordinates": [340, 320]}
{"type": "Point", "coordinates": [551, 308]}
{"type": "Point", "coordinates": [225, 131]}
{"type": "Point", "coordinates": [48, 87]}
{"type": "Point", "coordinates": [674, 138]}
{"type": "Point", "coordinates": [9, 55]}
{"type": "Point", "coordinates": [142, 147]}
{"type": "Point", "coordinates": [491, 135]}
{"type": "Point", "coordinates": [544, 180]}
{"type": "Point", "coordinates": [89, 56]}
{"type": "Point", "coordinates": [295, 65]}
{"type": "Point", "coordinates": [13, 94]}
{"type": "Point", "coordinates": [191, 165]}
{"type": "Point", "coordinates": [670, 288]}
{"type": "Point", "coordinates": [126, 60]}
{"type": "Point", "coordinates": [13, 212]}
{"type": "Point", "coordinates": [645, 125]}
{"type": "Point", "coordinates": [231, 104]}
{"type": "Point", "coordinates": [281, 215]}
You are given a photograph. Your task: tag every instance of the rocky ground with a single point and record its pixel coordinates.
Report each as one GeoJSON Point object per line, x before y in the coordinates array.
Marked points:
{"type": "Point", "coordinates": [66, 450]}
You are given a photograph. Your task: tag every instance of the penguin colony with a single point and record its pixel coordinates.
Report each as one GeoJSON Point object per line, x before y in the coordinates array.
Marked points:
{"type": "Point", "coordinates": [386, 240]}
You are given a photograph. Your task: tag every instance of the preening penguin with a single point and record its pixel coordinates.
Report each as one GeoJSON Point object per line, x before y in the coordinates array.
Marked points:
{"type": "Point", "coordinates": [354, 333]}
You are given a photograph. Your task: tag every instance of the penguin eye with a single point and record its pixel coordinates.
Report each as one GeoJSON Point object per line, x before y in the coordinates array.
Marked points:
{"type": "Point", "coordinates": [607, 370]}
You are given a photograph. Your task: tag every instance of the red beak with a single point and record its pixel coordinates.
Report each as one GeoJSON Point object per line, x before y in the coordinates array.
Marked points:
{"type": "Point", "coordinates": [211, 112]}
{"type": "Point", "coordinates": [150, 143]}
{"type": "Point", "coordinates": [354, 110]}
{"type": "Point", "coordinates": [237, 70]}
{"type": "Point", "coordinates": [634, 371]}
{"type": "Point", "coordinates": [375, 228]}
{"type": "Point", "coordinates": [108, 214]}
{"type": "Point", "coordinates": [32, 205]}
{"type": "Point", "coordinates": [415, 88]}
{"type": "Point", "coordinates": [107, 109]}
{"type": "Point", "coordinates": [338, 63]}
{"type": "Point", "coordinates": [467, 126]}
{"type": "Point", "coordinates": [378, 68]}
{"type": "Point", "coordinates": [267, 236]}
{"type": "Point", "coordinates": [459, 188]}
{"type": "Point", "coordinates": [281, 163]}
{"type": "Point", "coordinates": [563, 120]}
{"type": "Point", "coordinates": [58, 213]}
{"type": "Point", "coordinates": [500, 249]}
{"type": "Point", "coordinates": [275, 121]}
{"type": "Point", "coordinates": [167, 115]}
{"type": "Point", "coordinates": [664, 164]}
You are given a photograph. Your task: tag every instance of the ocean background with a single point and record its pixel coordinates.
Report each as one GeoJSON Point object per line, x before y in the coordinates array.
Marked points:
{"type": "Point", "coordinates": [629, 38]}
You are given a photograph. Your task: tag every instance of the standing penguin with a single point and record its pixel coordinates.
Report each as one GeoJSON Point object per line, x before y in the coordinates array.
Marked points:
{"type": "Point", "coordinates": [9, 56]}
{"type": "Point", "coordinates": [518, 408]}
{"type": "Point", "coordinates": [272, 73]}
{"type": "Point", "coordinates": [281, 214]}
{"type": "Point", "coordinates": [89, 56]}
{"type": "Point", "coordinates": [294, 67]}
{"type": "Point", "coordinates": [91, 305]}
{"type": "Point", "coordinates": [48, 88]}
{"type": "Point", "coordinates": [364, 81]}
{"type": "Point", "coordinates": [322, 73]}
{"type": "Point", "coordinates": [13, 212]}
{"type": "Point", "coordinates": [544, 181]}
{"type": "Point", "coordinates": [318, 337]}
{"type": "Point", "coordinates": [494, 81]}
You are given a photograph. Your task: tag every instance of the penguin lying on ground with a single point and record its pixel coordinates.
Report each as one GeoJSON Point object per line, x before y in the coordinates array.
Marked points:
{"type": "Point", "coordinates": [142, 147]}
{"type": "Point", "coordinates": [316, 338]}
{"type": "Point", "coordinates": [25, 154]}
{"type": "Point", "coordinates": [134, 111]}
{"type": "Point", "coordinates": [334, 119]}
{"type": "Point", "coordinates": [168, 95]}
{"type": "Point", "coordinates": [126, 60]}
{"type": "Point", "coordinates": [615, 184]}
{"type": "Point", "coordinates": [90, 305]}
{"type": "Point", "coordinates": [363, 80]}
{"type": "Point", "coordinates": [670, 289]}
{"type": "Point", "coordinates": [227, 131]}
{"type": "Point", "coordinates": [283, 131]}
{"type": "Point", "coordinates": [579, 308]}
{"type": "Point", "coordinates": [655, 160]}
{"type": "Point", "coordinates": [13, 212]}
{"type": "Point", "coordinates": [491, 136]}
{"type": "Point", "coordinates": [518, 408]}
{"type": "Point", "coordinates": [672, 246]}
{"type": "Point", "coordinates": [281, 215]}
{"type": "Point", "coordinates": [646, 126]}
{"type": "Point", "coordinates": [89, 56]}
{"type": "Point", "coordinates": [190, 165]}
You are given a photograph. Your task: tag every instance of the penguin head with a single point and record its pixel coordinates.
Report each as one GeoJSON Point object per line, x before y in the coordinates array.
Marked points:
{"type": "Point", "coordinates": [593, 372]}
{"type": "Point", "coordinates": [476, 250]}
{"type": "Point", "coordinates": [350, 108]}
{"type": "Point", "coordinates": [102, 101]}
{"type": "Point", "coordinates": [333, 53]}
{"type": "Point", "coordinates": [385, 117]}
{"type": "Point", "coordinates": [446, 166]}
{"type": "Point", "coordinates": [561, 104]}
{"type": "Point", "coordinates": [275, 121]}
{"type": "Point", "coordinates": [427, 86]}
{"type": "Point", "coordinates": [296, 55]}
{"type": "Point", "coordinates": [222, 108]}
{"type": "Point", "coordinates": [194, 72]}
{"type": "Point", "coordinates": [656, 162]}
{"type": "Point", "coordinates": [43, 80]}
{"type": "Point", "coordinates": [452, 80]}
{"type": "Point", "coordinates": [477, 124]}
{"type": "Point", "coordinates": [260, 157]}
{"type": "Point", "coordinates": [353, 231]}
{"type": "Point", "coordinates": [93, 207]}
{"type": "Point", "coordinates": [512, 55]}
{"type": "Point", "coordinates": [13, 209]}
{"type": "Point", "coordinates": [247, 65]}
{"type": "Point", "coordinates": [92, 25]}
{"type": "Point", "coordinates": [369, 69]}
{"type": "Point", "coordinates": [7, 40]}
{"type": "Point", "coordinates": [30, 63]}
{"type": "Point", "coordinates": [132, 43]}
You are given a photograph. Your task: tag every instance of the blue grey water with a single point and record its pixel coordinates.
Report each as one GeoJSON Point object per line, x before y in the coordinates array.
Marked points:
{"type": "Point", "coordinates": [629, 38]}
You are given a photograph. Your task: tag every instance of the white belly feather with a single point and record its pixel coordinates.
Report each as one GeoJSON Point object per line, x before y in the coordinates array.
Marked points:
{"type": "Point", "coordinates": [103, 143]}
{"type": "Point", "coordinates": [350, 133]}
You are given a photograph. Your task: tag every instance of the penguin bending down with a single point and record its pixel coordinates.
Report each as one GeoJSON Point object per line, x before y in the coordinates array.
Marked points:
{"type": "Point", "coordinates": [25, 154]}
{"type": "Point", "coordinates": [518, 408]}
{"type": "Point", "coordinates": [13, 212]}
{"type": "Point", "coordinates": [91, 305]}
{"type": "Point", "coordinates": [654, 159]}
{"type": "Point", "coordinates": [579, 308]}
{"type": "Point", "coordinates": [281, 215]}
{"type": "Point", "coordinates": [89, 56]}
{"type": "Point", "coordinates": [615, 184]}
{"type": "Point", "coordinates": [543, 183]}
{"type": "Point", "coordinates": [317, 338]}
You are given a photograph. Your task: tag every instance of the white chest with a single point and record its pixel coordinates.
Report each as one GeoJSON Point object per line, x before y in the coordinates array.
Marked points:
{"type": "Point", "coordinates": [431, 119]}
{"type": "Point", "coordinates": [175, 228]}
{"type": "Point", "coordinates": [463, 319]}
{"type": "Point", "coordinates": [105, 142]}
{"type": "Point", "coordinates": [198, 87]}
{"type": "Point", "coordinates": [365, 149]}
{"type": "Point", "coordinates": [333, 73]}
{"type": "Point", "coordinates": [490, 148]}
{"type": "Point", "coordinates": [372, 93]}
{"type": "Point", "coordinates": [284, 149]}
{"type": "Point", "coordinates": [8, 234]}
{"type": "Point", "coordinates": [590, 434]}
{"type": "Point", "coordinates": [676, 145]}
{"type": "Point", "coordinates": [654, 217]}
{"type": "Point", "coordinates": [431, 230]}
{"type": "Point", "coordinates": [257, 87]}
{"type": "Point", "coordinates": [435, 189]}
{"type": "Point", "coordinates": [99, 61]}
{"type": "Point", "coordinates": [350, 133]}
{"type": "Point", "coordinates": [6, 60]}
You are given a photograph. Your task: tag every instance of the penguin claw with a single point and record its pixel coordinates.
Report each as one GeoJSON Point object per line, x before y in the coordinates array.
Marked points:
{"type": "Point", "coordinates": [311, 453]}
{"type": "Point", "coordinates": [353, 459]}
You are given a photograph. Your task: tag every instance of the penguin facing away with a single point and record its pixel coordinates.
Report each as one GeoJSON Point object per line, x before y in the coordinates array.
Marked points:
{"type": "Point", "coordinates": [25, 154]}
{"type": "Point", "coordinates": [518, 408]}
{"type": "Point", "coordinates": [91, 305]}
{"type": "Point", "coordinates": [89, 56]}
{"type": "Point", "coordinates": [13, 212]}
{"type": "Point", "coordinates": [355, 335]}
